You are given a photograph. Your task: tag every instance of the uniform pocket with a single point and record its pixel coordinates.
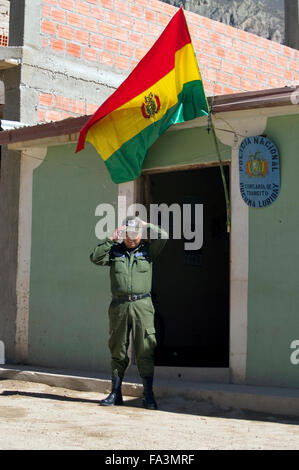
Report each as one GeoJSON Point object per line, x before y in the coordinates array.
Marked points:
{"type": "Point", "coordinates": [150, 338]}
{"type": "Point", "coordinates": [142, 264]}
{"type": "Point", "coordinates": [119, 265]}
{"type": "Point", "coordinates": [150, 331]}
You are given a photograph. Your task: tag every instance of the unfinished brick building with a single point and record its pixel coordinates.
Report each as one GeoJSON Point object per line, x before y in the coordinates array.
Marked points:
{"type": "Point", "coordinates": [66, 56]}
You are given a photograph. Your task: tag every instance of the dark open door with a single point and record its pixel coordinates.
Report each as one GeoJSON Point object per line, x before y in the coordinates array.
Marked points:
{"type": "Point", "coordinates": [191, 288]}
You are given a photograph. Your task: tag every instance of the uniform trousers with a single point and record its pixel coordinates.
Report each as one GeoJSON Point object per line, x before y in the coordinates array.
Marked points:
{"type": "Point", "coordinates": [136, 317]}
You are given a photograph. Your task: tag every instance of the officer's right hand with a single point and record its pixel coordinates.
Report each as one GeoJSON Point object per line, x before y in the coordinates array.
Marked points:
{"type": "Point", "coordinates": [118, 233]}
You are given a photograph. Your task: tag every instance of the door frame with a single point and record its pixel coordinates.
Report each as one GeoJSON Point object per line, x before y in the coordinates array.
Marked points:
{"type": "Point", "coordinates": [237, 297]}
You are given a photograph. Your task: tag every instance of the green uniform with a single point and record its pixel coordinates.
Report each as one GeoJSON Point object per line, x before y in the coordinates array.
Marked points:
{"type": "Point", "coordinates": [131, 274]}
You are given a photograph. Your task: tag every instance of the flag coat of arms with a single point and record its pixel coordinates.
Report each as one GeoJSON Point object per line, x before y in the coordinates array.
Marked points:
{"type": "Point", "coordinates": [165, 88]}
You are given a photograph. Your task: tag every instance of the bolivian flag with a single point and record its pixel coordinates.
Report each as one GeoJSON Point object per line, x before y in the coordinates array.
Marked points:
{"type": "Point", "coordinates": [165, 88]}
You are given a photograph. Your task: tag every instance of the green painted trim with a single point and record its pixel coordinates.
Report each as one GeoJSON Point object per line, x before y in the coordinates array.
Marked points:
{"type": "Point", "coordinates": [185, 147]}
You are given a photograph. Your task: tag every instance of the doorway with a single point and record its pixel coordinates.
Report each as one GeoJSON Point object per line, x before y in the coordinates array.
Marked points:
{"type": "Point", "coordinates": [191, 287]}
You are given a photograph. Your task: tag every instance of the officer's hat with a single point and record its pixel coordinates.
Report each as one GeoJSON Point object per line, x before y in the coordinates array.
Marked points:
{"type": "Point", "coordinates": [133, 224]}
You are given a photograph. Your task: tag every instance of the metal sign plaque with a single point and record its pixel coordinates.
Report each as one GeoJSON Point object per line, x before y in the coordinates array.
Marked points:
{"type": "Point", "coordinates": [259, 171]}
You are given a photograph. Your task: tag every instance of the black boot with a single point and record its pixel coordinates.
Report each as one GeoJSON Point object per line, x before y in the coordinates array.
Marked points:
{"type": "Point", "coordinates": [149, 401]}
{"type": "Point", "coordinates": [115, 397]}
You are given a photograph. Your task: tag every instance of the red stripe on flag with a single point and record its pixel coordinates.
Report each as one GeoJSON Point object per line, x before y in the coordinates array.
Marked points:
{"type": "Point", "coordinates": [158, 62]}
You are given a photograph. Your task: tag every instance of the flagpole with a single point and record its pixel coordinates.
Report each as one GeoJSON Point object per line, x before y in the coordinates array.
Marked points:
{"type": "Point", "coordinates": [211, 126]}
{"type": "Point", "coordinates": [227, 202]}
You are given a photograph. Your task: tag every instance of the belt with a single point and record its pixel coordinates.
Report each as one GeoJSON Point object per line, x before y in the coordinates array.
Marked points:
{"type": "Point", "coordinates": [131, 298]}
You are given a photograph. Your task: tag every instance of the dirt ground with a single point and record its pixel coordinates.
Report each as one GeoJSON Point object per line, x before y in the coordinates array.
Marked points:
{"type": "Point", "coordinates": [38, 416]}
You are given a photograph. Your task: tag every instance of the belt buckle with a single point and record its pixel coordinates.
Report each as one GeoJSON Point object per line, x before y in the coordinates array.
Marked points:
{"type": "Point", "coordinates": [133, 297]}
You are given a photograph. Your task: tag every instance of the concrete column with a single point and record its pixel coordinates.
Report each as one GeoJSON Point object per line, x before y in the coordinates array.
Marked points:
{"type": "Point", "coordinates": [9, 221]}
{"type": "Point", "coordinates": [291, 8]}
{"type": "Point", "coordinates": [15, 248]}
{"type": "Point", "coordinates": [238, 127]}
{"type": "Point", "coordinates": [31, 158]}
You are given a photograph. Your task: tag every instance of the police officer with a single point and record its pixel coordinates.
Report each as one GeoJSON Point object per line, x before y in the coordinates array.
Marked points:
{"type": "Point", "coordinates": [131, 308]}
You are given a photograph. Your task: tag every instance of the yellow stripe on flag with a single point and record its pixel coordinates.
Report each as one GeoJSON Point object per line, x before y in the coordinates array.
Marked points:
{"type": "Point", "coordinates": [124, 123]}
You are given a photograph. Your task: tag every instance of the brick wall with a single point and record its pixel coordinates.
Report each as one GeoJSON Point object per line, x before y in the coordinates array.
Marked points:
{"type": "Point", "coordinates": [116, 34]}
{"type": "Point", "coordinates": [54, 107]}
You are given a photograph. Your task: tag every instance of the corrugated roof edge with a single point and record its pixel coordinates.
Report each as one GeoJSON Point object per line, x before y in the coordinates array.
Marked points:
{"type": "Point", "coordinates": [234, 102]}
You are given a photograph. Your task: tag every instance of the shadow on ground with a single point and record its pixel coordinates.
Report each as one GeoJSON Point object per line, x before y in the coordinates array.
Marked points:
{"type": "Point", "coordinates": [170, 405]}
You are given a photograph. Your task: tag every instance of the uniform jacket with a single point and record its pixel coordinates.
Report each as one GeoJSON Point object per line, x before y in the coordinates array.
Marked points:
{"type": "Point", "coordinates": [130, 271]}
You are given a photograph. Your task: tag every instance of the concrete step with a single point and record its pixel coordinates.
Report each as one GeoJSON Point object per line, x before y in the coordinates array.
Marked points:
{"type": "Point", "coordinates": [273, 400]}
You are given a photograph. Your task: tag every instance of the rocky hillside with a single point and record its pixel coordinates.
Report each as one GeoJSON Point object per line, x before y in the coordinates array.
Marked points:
{"type": "Point", "coordinates": [264, 18]}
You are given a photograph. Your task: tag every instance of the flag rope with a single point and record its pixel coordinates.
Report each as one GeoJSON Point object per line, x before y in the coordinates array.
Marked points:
{"type": "Point", "coordinates": [227, 201]}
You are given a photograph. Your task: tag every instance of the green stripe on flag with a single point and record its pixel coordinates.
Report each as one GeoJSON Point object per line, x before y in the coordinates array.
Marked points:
{"type": "Point", "coordinates": [126, 163]}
